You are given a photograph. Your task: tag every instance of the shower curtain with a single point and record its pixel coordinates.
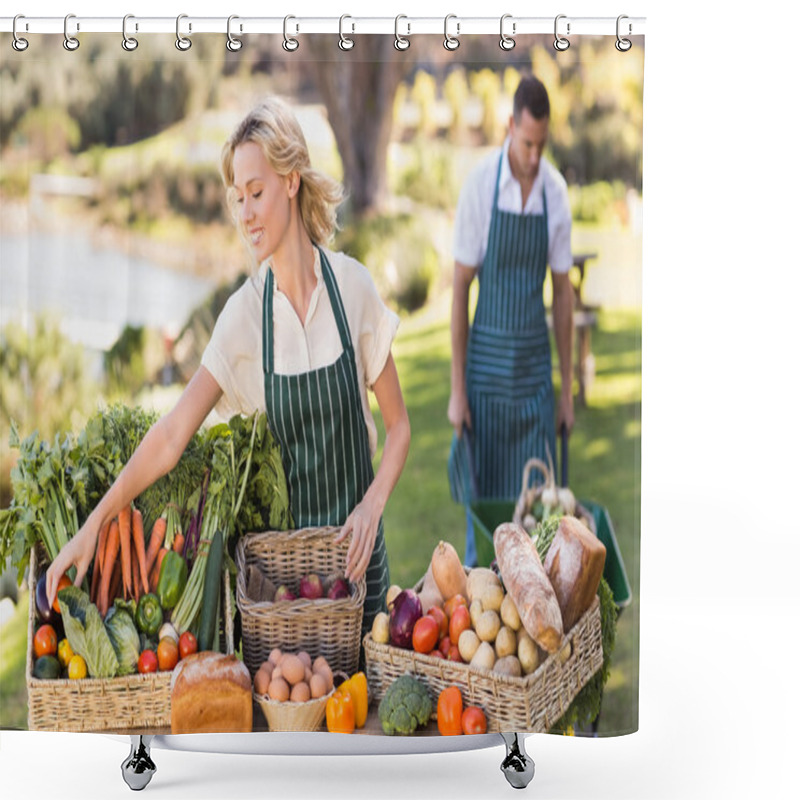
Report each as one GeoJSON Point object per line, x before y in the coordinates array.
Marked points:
{"type": "Point", "coordinates": [507, 595]}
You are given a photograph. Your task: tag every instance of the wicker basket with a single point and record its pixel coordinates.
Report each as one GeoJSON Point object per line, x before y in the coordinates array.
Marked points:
{"type": "Point", "coordinates": [530, 495]}
{"type": "Point", "coordinates": [329, 628]}
{"type": "Point", "coordinates": [125, 704]}
{"type": "Point", "coordinates": [289, 716]}
{"type": "Point", "coordinates": [531, 704]}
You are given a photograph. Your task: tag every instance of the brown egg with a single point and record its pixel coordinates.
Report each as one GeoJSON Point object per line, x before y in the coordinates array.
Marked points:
{"type": "Point", "coordinates": [279, 690]}
{"type": "Point", "coordinates": [268, 666]}
{"type": "Point", "coordinates": [309, 673]}
{"type": "Point", "coordinates": [300, 693]}
{"type": "Point", "coordinates": [305, 658]}
{"type": "Point", "coordinates": [292, 669]}
{"type": "Point", "coordinates": [275, 655]}
{"type": "Point", "coordinates": [318, 685]}
{"type": "Point", "coordinates": [325, 671]}
{"type": "Point", "coordinates": [261, 681]}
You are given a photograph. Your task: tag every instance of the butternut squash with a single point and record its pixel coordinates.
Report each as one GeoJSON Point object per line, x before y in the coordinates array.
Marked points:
{"type": "Point", "coordinates": [448, 572]}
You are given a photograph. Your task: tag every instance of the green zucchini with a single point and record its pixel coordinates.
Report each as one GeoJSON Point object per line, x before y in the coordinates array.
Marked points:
{"type": "Point", "coordinates": [208, 609]}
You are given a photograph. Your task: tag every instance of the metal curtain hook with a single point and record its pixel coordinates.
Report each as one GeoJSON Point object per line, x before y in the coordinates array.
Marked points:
{"type": "Point", "coordinates": [233, 44]}
{"type": "Point", "coordinates": [18, 43]}
{"type": "Point", "coordinates": [561, 43]}
{"type": "Point", "coordinates": [506, 42]}
{"type": "Point", "coordinates": [129, 43]}
{"type": "Point", "coordinates": [623, 45]}
{"type": "Point", "coordinates": [290, 44]}
{"type": "Point", "coordinates": [70, 42]}
{"type": "Point", "coordinates": [400, 42]}
{"type": "Point", "coordinates": [344, 42]}
{"type": "Point", "coordinates": [183, 43]}
{"type": "Point", "coordinates": [451, 42]}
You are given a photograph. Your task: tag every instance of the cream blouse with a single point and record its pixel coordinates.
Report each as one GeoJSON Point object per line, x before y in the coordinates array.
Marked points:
{"type": "Point", "coordinates": [233, 355]}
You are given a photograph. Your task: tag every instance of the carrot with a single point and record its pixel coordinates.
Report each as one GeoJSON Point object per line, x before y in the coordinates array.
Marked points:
{"type": "Point", "coordinates": [116, 582]}
{"type": "Point", "coordinates": [156, 540]}
{"type": "Point", "coordinates": [97, 568]}
{"type": "Point", "coordinates": [157, 567]}
{"type": "Point", "coordinates": [124, 518]}
{"type": "Point", "coordinates": [138, 543]}
{"type": "Point", "coordinates": [178, 543]}
{"type": "Point", "coordinates": [112, 549]}
{"type": "Point", "coordinates": [136, 579]}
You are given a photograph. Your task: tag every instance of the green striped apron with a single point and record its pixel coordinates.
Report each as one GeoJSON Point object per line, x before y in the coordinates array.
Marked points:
{"type": "Point", "coordinates": [508, 369]}
{"type": "Point", "coordinates": [318, 419]}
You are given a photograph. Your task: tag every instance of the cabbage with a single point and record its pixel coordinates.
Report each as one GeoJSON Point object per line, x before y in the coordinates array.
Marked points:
{"type": "Point", "coordinates": [124, 637]}
{"type": "Point", "coordinates": [86, 633]}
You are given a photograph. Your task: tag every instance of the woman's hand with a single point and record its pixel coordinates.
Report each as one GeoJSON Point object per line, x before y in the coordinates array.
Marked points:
{"type": "Point", "coordinates": [77, 552]}
{"type": "Point", "coordinates": [363, 524]}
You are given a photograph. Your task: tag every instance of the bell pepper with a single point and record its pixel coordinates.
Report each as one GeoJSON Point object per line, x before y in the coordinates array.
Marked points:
{"type": "Point", "coordinates": [340, 713]}
{"type": "Point", "coordinates": [171, 579]}
{"type": "Point", "coordinates": [356, 687]}
{"type": "Point", "coordinates": [149, 615]}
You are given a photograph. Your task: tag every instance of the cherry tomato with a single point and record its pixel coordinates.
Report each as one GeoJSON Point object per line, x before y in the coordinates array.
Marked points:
{"type": "Point", "coordinates": [445, 646]}
{"type": "Point", "coordinates": [436, 654]}
{"type": "Point", "coordinates": [459, 622]}
{"type": "Point", "coordinates": [425, 634]}
{"type": "Point", "coordinates": [187, 644]}
{"type": "Point", "coordinates": [167, 654]}
{"type": "Point", "coordinates": [63, 582]}
{"type": "Point", "coordinates": [148, 662]}
{"type": "Point", "coordinates": [473, 720]}
{"type": "Point", "coordinates": [453, 603]}
{"type": "Point", "coordinates": [441, 619]}
{"type": "Point", "coordinates": [45, 643]}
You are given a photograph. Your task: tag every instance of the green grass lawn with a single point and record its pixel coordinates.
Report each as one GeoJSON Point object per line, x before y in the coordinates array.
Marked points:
{"type": "Point", "coordinates": [604, 467]}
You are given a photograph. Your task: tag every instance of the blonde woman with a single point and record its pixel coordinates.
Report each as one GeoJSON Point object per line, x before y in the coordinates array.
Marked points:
{"type": "Point", "coordinates": [302, 340]}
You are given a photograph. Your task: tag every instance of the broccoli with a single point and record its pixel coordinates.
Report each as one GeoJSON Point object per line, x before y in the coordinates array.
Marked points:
{"type": "Point", "coordinates": [405, 707]}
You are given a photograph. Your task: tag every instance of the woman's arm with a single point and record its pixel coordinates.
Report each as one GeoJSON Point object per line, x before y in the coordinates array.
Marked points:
{"type": "Point", "coordinates": [157, 454]}
{"type": "Point", "coordinates": [365, 517]}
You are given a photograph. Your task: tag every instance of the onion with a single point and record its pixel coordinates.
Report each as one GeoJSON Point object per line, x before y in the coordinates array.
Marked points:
{"type": "Point", "coordinates": [403, 614]}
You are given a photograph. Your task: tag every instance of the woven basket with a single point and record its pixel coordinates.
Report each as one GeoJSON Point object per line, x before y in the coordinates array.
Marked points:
{"type": "Point", "coordinates": [125, 704]}
{"type": "Point", "coordinates": [530, 495]}
{"type": "Point", "coordinates": [532, 704]}
{"type": "Point", "coordinates": [288, 716]}
{"type": "Point", "coordinates": [329, 628]}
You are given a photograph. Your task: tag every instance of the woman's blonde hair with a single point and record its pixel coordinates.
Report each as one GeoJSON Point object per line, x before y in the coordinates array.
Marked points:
{"type": "Point", "coordinates": [273, 126]}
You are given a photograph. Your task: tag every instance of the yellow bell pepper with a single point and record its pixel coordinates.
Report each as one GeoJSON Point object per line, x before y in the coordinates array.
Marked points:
{"type": "Point", "coordinates": [340, 712]}
{"type": "Point", "coordinates": [356, 687]}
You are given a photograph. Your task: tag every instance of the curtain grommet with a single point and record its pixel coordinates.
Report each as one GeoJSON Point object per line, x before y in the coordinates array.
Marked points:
{"type": "Point", "coordinates": [561, 43]}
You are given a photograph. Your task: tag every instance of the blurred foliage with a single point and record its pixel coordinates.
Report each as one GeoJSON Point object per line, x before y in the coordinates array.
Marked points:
{"type": "Point", "coordinates": [428, 177]}
{"type": "Point", "coordinates": [48, 132]}
{"type": "Point", "coordinates": [602, 202]}
{"type": "Point", "coordinates": [134, 361]}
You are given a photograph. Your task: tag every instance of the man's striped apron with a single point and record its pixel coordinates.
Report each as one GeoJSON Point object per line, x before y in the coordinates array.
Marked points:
{"type": "Point", "coordinates": [318, 419]}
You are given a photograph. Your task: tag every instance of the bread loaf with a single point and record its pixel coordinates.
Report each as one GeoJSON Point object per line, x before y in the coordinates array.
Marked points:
{"type": "Point", "coordinates": [211, 693]}
{"type": "Point", "coordinates": [527, 583]}
{"type": "Point", "coordinates": [574, 564]}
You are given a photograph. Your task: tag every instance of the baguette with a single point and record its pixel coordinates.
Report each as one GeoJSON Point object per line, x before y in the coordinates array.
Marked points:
{"type": "Point", "coordinates": [526, 581]}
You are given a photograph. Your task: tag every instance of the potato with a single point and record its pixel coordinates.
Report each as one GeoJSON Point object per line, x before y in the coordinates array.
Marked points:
{"type": "Point", "coordinates": [475, 610]}
{"type": "Point", "coordinates": [508, 665]}
{"type": "Point", "coordinates": [478, 580]}
{"type": "Point", "coordinates": [527, 653]}
{"type": "Point", "coordinates": [492, 598]}
{"type": "Point", "coordinates": [506, 642]}
{"type": "Point", "coordinates": [468, 644]}
{"type": "Point", "coordinates": [509, 613]}
{"type": "Point", "coordinates": [380, 628]}
{"type": "Point", "coordinates": [391, 593]}
{"type": "Point", "coordinates": [565, 652]}
{"type": "Point", "coordinates": [488, 626]}
{"type": "Point", "coordinates": [484, 657]}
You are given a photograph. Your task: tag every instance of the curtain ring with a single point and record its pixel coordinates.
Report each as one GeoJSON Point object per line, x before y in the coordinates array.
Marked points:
{"type": "Point", "coordinates": [70, 42]}
{"type": "Point", "coordinates": [290, 44]}
{"type": "Point", "coordinates": [233, 44]}
{"type": "Point", "coordinates": [128, 42]}
{"type": "Point", "coordinates": [18, 43]}
{"type": "Point", "coordinates": [561, 44]}
{"type": "Point", "coordinates": [183, 43]}
{"type": "Point", "coordinates": [623, 45]}
{"type": "Point", "coordinates": [400, 42]}
{"type": "Point", "coordinates": [451, 42]}
{"type": "Point", "coordinates": [344, 42]}
{"type": "Point", "coordinates": [506, 42]}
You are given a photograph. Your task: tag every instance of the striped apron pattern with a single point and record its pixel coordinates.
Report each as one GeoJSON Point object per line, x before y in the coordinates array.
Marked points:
{"type": "Point", "coordinates": [317, 417]}
{"type": "Point", "coordinates": [509, 368]}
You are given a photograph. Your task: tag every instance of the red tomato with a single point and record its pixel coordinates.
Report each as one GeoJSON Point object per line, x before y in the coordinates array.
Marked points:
{"type": "Point", "coordinates": [167, 654]}
{"type": "Point", "coordinates": [453, 603]}
{"type": "Point", "coordinates": [454, 655]}
{"type": "Point", "coordinates": [45, 643]}
{"type": "Point", "coordinates": [187, 644]}
{"type": "Point", "coordinates": [425, 634]}
{"type": "Point", "coordinates": [445, 646]}
{"type": "Point", "coordinates": [441, 619]}
{"type": "Point", "coordinates": [63, 582]}
{"type": "Point", "coordinates": [148, 662]}
{"type": "Point", "coordinates": [473, 720]}
{"type": "Point", "coordinates": [459, 622]}
{"type": "Point", "coordinates": [448, 711]}
{"type": "Point", "coordinates": [436, 654]}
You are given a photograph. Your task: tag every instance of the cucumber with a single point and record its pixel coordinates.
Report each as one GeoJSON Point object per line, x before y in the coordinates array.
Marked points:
{"type": "Point", "coordinates": [208, 608]}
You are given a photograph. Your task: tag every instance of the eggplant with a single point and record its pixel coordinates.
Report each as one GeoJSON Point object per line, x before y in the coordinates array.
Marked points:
{"type": "Point", "coordinates": [46, 614]}
{"type": "Point", "coordinates": [404, 611]}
